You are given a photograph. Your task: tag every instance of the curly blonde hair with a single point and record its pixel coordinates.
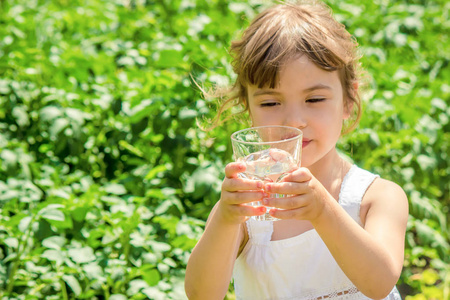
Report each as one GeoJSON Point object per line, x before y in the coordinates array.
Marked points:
{"type": "Point", "coordinates": [285, 32]}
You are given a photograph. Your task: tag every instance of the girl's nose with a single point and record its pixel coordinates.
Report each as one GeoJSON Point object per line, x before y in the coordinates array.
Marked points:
{"type": "Point", "coordinates": [296, 118]}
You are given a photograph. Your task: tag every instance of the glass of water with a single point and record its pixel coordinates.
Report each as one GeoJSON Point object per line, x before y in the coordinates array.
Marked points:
{"type": "Point", "coordinates": [269, 153]}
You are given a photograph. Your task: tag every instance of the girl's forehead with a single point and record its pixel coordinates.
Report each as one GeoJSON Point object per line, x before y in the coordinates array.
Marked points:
{"type": "Point", "coordinates": [300, 72]}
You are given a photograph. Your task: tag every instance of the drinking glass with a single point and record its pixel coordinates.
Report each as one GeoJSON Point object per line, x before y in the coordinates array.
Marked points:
{"type": "Point", "coordinates": [269, 153]}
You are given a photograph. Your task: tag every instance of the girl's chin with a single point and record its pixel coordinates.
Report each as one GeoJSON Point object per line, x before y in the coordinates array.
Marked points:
{"type": "Point", "coordinates": [305, 163]}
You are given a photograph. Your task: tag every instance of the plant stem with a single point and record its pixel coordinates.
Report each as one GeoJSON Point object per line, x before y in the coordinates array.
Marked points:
{"type": "Point", "coordinates": [106, 290]}
{"type": "Point", "coordinates": [63, 289]}
{"type": "Point", "coordinates": [20, 250]}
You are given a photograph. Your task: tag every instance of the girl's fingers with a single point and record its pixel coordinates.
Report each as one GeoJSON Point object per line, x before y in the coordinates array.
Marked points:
{"type": "Point", "coordinates": [286, 188]}
{"type": "Point", "coordinates": [293, 202]}
{"type": "Point", "coordinates": [294, 208]}
{"type": "Point", "coordinates": [241, 184]}
{"type": "Point", "coordinates": [233, 169]}
{"type": "Point", "coordinates": [248, 210]}
{"type": "Point", "coordinates": [296, 182]}
{"type": "Point", "coordinates": [242, 197]}
{"type": "Point", "coordinates": [298, 175]}
{"type": "Point", "coordinates": [233, 182]}
{"type": "Point", "coordinates": [287, 214]}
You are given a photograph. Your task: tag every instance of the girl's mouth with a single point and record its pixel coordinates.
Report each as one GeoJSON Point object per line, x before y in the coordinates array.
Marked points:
{"type": "Point", "coordinates": [289, 137]}
{"type": "Point", "coordinates": [305, 143]}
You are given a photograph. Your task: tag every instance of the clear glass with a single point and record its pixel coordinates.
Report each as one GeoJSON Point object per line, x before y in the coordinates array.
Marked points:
{"type": "Point", "coordinates": [269, 153]}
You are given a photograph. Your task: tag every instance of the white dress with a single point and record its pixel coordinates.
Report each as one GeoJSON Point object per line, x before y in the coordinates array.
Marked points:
{"type": "Point", "coordinates": [300, 267]}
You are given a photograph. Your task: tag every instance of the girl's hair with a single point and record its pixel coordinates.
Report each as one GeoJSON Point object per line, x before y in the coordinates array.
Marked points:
{"type": "Point", "coordinates": [285, 32]}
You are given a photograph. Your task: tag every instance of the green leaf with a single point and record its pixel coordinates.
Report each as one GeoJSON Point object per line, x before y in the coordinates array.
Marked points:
{"type": "Point", "coordinates": [154, 293]}
{"type": "Point", "coordinates": [79, 213]}
{"type": "Point", "coordinates": [93, 271]}
{"type": "Point", "coordinates": [159, 247]}
{"type": "Point", "coordinates": [52, 214]}
{"type": "Point", "coordinates": [11, 242]}
{"type": "Point", "coordinates": [430, 276]}
{"type": "Point", "coordinates": [131, 148]}
{"type": "Point", "coordinates": [135, 286]}
{"type": "Point", "coordinates": [167, 204]}
{"type": "Point", "coordinates": [54, 242]}
{"type": "Point", "coordinates": [21, 115]}
{"type": "Point", "coordinates": [82, 255]}
{"type": "Point", "coordinates": [152, 277]}
{"type": "Point", "coordinates": [53, 255]}
{"type": "Point", "coordinates": [115, 189]}
{"type": "Point", "coordinates": [50, 113]}
{"type": "Point", "coordinates": [9, 157]}
{"type": "Point", "coordinates": [142, 110]}
{"type": "Point", "coordinates": [25, 223]}
{"type": "Point", "coordinates": [73, 283]}
{"type": "Point", "coordinates": [202, 181]}
{"type": "Point", "coordinates": [426, 163]}
{"type": "Point", "coordinates": [109, 237]}
{"type": "Point", "coordinates": [439, 104]}
{"type": "Point", "coordinates": [154, 171]}
{"type": "Point", "coordinates": [58, 126]}
{"type": "Point", "coordinates": [118, 297]}
{"type": "Point", "coordinates": [187, 114]}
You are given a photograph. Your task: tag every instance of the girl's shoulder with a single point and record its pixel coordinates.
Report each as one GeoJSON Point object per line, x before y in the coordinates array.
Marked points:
{"type": "Point", "coordinates": [383, 190]}
{"type": "Point", "coordinates": [385, 198]}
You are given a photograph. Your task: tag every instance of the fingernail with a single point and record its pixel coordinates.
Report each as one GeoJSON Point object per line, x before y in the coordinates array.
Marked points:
{"type": "Point", "coordinates": [265, 201]}
{"type": "Point", "coordinates": [267, 187]}
{"type": "Point", "coordinates": [259, 184]}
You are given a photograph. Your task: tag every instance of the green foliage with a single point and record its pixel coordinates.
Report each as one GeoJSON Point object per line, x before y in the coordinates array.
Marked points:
{"type": "Point", "coordinates": [106, 179]}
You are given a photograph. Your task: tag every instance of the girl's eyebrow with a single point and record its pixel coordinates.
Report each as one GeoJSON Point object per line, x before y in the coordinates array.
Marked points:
{"type": "Point", "coordinates": [319, 86]}
{"type": "Point", "coordinates": [265, 92]}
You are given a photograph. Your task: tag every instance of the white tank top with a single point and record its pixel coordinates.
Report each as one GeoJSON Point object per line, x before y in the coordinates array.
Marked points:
{"type": "Point", "coordinates": [300, 267]}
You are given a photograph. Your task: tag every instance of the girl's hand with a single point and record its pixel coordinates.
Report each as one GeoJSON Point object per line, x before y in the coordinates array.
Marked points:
{"type": "Point", "coordinates": [307, 196]}
{"type": "Point", "coordinates": [237, 193]}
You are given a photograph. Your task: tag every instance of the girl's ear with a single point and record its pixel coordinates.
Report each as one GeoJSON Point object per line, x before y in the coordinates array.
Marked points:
{"type": "Point", "coordinates": [355, 86]}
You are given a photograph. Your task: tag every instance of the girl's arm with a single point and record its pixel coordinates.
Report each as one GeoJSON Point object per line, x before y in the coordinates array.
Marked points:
{"type": "Point", "coordinates": [370, 256]}
{"type": "Point", "coordinates": [211, 263]}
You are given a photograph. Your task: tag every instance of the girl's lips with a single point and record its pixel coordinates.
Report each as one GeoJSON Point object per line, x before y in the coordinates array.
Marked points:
{"type": "Point", "coordinates": [288, 137]}
{"type": "Point", "coordinates": [305, 143]}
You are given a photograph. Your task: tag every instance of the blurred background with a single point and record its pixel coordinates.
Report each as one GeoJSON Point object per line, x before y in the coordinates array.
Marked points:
{"type": "Point", "coordinates": [106, 179]}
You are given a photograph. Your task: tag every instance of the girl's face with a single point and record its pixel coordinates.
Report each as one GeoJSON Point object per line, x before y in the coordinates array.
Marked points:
{"type": "Point", "coordinates": [307, 98]}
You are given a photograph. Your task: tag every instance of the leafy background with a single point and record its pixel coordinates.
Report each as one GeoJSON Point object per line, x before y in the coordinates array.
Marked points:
{"type": "Point", "coordinates": [105, 177]}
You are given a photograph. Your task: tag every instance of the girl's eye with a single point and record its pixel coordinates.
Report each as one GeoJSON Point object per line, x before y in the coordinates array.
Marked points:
{"type": "Point", "coordinates": [315, 100]}
{"type": "Point", "coordinates": [269, 104]}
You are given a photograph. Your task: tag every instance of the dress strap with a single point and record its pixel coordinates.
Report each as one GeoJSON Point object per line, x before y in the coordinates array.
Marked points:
{"type": "Point", "coordinates": [259, 254]}
{"type": "Point", "coordinates": [354, 186]}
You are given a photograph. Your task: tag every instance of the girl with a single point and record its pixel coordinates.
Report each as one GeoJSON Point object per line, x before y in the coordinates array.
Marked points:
{"type": "Point", "coordinates": [341, 229]}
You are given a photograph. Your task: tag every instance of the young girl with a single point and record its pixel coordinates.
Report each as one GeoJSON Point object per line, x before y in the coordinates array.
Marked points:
{"type": "Point", "coordinates": [341, 229]}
